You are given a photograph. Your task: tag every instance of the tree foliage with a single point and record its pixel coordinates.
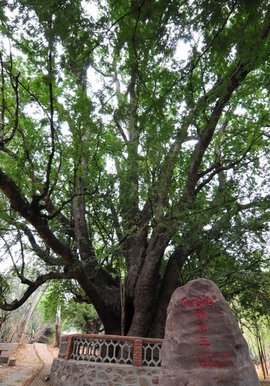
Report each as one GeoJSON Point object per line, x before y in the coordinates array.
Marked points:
{"type": "Point", "coordinates": [134, 148]}
{"type": "Point", "coordinates": [74, 316]}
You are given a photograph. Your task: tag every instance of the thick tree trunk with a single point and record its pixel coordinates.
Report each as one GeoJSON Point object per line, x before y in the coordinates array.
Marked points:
{"type": "Point", "coordinates": [169, 283]}
{"type": "Point", "coordinates": [105, 297]}
{"type": "Point", "coordinates": [145, 290]}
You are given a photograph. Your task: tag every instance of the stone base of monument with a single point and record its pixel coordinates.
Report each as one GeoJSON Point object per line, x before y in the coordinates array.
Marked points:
{"type": "Point", "coordinates": [203, 343]}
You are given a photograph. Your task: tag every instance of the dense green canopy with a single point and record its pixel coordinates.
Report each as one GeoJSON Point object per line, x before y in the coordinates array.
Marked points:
{"type": "Point", "coordinates": [134, 140]}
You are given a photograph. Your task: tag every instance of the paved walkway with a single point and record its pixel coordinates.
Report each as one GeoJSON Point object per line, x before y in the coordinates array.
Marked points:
{"type": "Point", "coordinates": [33, 362]}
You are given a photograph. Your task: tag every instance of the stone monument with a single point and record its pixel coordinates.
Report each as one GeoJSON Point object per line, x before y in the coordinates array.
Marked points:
{"type": "Point", "coordinates": [203, 344]}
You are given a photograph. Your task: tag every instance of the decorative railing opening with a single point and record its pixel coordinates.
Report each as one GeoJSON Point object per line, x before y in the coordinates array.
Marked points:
{"type": "Point", "coordinates": [151, 353]}
{"type": "Point", "coordinates": [102, 350]}
{"type": "Point", "coordinates": [111, 349]}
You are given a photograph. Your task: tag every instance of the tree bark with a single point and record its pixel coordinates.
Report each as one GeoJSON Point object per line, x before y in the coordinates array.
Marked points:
{"type": "Point", "coordinates": [169, 283]}
{"type": "Point", "coordinates": [20, 331]}
{"type": "Point", "coordinates": [145, 290]}
{"type": "Point", "coordinates": [58, 326]}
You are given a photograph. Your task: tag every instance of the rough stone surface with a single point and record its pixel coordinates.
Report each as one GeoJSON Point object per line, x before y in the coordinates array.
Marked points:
{"type": "Point", "coordinates": [203, 343]}
{"type": "Point", "coordinates": [83, 373]}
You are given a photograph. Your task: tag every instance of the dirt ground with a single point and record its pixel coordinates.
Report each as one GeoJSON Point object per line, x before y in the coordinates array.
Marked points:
{"type": "Point", "coordinates": [33, 362]}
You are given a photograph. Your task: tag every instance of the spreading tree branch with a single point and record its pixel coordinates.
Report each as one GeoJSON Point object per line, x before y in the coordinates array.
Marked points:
{"type": "Point", "coordinates": [32, 286]}
{"type": "Point", "coordinates": [20, 204]}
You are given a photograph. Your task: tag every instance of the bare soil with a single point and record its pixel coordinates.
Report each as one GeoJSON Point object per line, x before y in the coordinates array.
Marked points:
{"type": "Point", "coordinates": [33, 362]}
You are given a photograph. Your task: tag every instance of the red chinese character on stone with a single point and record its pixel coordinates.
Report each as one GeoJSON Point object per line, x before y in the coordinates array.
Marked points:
{"type": "Point", "coordinates": [199, 301]}
{"type": "Point", "coordinates": [201, 314]}
{"type": "Point", "coordinates": [204, 342]}
{"type": "Point", "coordinates": [202, 327]}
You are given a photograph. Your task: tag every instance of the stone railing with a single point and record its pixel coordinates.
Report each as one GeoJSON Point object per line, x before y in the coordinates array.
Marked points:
{"type": "Point", "coordinates": [111, 349]}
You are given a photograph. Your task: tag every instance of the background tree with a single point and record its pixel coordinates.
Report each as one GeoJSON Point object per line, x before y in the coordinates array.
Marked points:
{"type": "Point", "coordinates": [134, 137]}
{"type": "Point", "coordinates": [80, 317]}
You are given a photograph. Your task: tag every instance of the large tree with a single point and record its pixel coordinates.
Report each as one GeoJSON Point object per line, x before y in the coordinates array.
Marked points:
{"type": "Point", "coordinates": [134, 138]}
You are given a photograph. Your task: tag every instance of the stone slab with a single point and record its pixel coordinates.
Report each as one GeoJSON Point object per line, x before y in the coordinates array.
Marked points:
{"type": "Point", "coordinates": [11, 362]}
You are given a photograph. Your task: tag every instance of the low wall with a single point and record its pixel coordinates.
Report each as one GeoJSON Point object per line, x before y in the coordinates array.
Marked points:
{"type": "Point", "coordinates": [83, 373]}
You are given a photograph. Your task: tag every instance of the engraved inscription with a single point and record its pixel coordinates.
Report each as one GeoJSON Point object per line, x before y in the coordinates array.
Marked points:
{"type": "Point", "coordinates": [198, 301]}
{"type": "Point", "coordinates": [216, 364]}
{"type": "Point", "coordinates": [204, 342]}
{"type": "Point", "coordinates": [207, 358]}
